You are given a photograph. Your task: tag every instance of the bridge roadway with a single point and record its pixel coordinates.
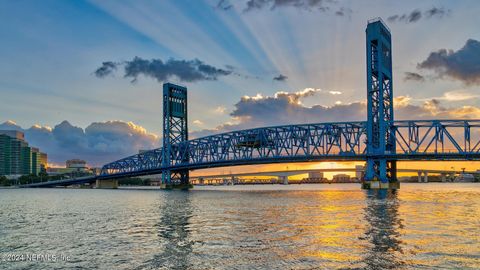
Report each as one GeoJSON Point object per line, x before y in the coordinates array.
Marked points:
{"type": "Point", "coordinates": [298, 172]}
{"type": "Point", "coordinates": [91, 179]}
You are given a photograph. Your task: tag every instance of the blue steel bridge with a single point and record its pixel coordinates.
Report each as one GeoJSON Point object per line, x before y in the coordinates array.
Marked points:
{"type": "Point", "coordinates": [380, 141]}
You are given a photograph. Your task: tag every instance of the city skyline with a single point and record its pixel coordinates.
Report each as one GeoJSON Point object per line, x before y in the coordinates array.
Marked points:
{"type": "Point", "coordinates": [100, 66]}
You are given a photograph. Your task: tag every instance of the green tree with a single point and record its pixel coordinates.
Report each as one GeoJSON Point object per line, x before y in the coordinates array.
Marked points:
{"type": "Point", "coordinates": [4, 181]}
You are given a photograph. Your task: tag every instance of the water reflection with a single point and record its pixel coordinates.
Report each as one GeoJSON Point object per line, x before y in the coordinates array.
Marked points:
{"type": "Point", "coordinates": [174, 232]}
{"type": "Point", "coordinates": [384, 249]}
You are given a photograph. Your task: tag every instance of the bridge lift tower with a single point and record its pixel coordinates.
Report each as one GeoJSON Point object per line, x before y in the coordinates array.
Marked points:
{"type": "Point", "coordinates": [175, 131]}
{"type": "Point", "coordinates": [381, 173]}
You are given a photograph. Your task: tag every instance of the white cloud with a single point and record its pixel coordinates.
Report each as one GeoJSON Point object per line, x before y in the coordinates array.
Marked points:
{"type": "Point", "coordinates": [458, 95]}
{"type": "Point", "coordinates": [99, 143]}
{"type": "Point", "coordinates": [334, 92]}
{"type": "Point", "coordinates": [285, 108]}
{"type": "Point", "coordinates": [197, 122]}
{"type": "Point", "coordinates": [401, 101]}
{"type": "Point", "coordinates": [220, 110]}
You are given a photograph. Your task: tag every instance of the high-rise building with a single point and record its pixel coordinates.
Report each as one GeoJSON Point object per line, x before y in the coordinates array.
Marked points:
{"type": "Point", "coordinates": [4, 154]}
{"type": "Point", "coordinates": [25, 159]}
{"type": "Point", "coordinates": [16, 157]}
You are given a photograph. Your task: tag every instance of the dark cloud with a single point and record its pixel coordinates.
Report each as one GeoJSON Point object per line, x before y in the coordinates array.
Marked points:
{"type": "Point", "coordinates": [436, 12]}
{"type": "Point", "coordinates": [224, 5]}
{"type": "Point", "coordinates": [107, 68]}
{"type": "Point", "coordinates": [463, 65]}
{"type": "Point", "coordinates": [280, 78]}
{"type": "Point", "coordinates": [416, 15]}
{"type": "Point", "coordinates": [98, 144]}
{"type": "Point", "coordinates": [413, 16]}
{"type": "Point", "coordinates": [412, 76]}
{"type": "Point", "coordinates": [320, 5]}
{"type": "Point", "coordinates": [343, 12]}
{"type": "Point", "coordinates": [184, 70]}
{"type": "Point", "coordinates": [285, 108]}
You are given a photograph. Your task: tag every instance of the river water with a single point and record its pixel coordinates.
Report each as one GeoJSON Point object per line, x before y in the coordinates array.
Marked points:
{"type": "Point", "coordinates": [422, 226]}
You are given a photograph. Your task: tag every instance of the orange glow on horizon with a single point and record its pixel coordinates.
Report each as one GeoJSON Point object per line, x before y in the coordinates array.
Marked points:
{"type": "Point", "coordinates": [420, 165]}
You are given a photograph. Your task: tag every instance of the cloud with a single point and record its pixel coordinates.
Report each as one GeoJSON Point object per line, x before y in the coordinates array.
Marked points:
{"type": "Point", "coordinates": [220, 110]}
{"type": "Point", "coordinates": [320, 5]}
{"type": "Point", "coordinates": [280, 78]}
{"type": "Point", "coordinates": [462, 65]}
{"type": "Point", "coordinates": [436, 12]}
{"type": "Point", "coordinates": [285, 108]}
{"type": "Point", "coordinates": [184, 70]}
{"type": "Point", "coordinates": [224, 5]}
{"type": "Point", "coordinates": [343, 11]}
{"type": "Point", "coordinates": [416, 15]}
{"type": "Point", "coordinates": [107, 68]}
{"type": "Point", "coordinates": [457, 95]}
{"type": "Point", "coordinates": [198, 122]}
{"type": "Point", "coordinates": [412, 76]}
{"type": "Point", "coordinates": [334, 92]}
{"type": "Point", "coordinates": [99, 143]}
{"type": "Point", "coordinates": [401, 101]}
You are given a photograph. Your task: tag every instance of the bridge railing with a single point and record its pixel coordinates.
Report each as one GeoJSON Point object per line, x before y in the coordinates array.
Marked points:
{"type": "Point", "coordinates": [419, 139]}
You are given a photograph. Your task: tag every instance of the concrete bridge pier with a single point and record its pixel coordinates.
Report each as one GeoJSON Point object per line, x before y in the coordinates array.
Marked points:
{"type": "Point", "coordinates": [423, 179]}
{"type": "Point", "coordinates": [107, 184]}
{"type": "Point", "coordinates": [283, 179]}
{"type": "Point", "coordinates": [443, 176]}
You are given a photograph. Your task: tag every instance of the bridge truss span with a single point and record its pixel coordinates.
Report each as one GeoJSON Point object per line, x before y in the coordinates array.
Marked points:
{"type": "Point", "coordinates": [444, 139]}
{"type": "Point", "coordinates": [345, 141]}
{"type": "Point", "coordinates": [290, 143]}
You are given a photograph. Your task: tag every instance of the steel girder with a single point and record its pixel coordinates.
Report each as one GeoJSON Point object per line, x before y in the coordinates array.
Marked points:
{"type": "Point", "coordinates": [415, 140]}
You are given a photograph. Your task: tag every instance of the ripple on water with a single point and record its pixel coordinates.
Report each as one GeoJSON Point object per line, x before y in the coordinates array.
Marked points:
{"type": "Point", "coordinates": [422, 226]}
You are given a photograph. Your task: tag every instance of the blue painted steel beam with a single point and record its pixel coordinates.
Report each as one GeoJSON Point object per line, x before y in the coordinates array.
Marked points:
{"type": "Point", "coordinates": [344, 141]}
{"type": "Point", "coordinates": [381, 138]}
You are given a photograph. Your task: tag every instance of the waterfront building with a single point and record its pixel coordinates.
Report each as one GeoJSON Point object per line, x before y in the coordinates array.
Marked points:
{"type": "Point", "coordinates": [315, 175]}
{"type": "Point", "coordinates": [16, 157]}
{"type": "Point", "coordinates": [76, 165]}
{"type": "Point", "coordinates": [39, 161]}
{"type": "Point", "coordinates": [341, 178]}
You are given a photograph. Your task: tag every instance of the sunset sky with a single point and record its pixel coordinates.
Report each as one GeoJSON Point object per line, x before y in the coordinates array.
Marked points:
{"type": "Point", "coordinates": [84, 79]}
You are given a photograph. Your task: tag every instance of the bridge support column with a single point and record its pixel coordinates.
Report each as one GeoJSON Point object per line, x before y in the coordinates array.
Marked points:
{"type": "Point", "coordinates": [232, 179]}
{"type": "Point", "coordinates": [425, 177]}
{"type": "Point", "coordinates": [283, 179]}
{"type": "Point", "coordinates": [381, 172]}
{"type": "Point", "coordinates": [107, 184]}
{"type": "Point", "coordinates": [443, 176]}
{"type": "Point", "coordinates": [420, 177]}
{"type": "Point", "coordinates": [175, 134]}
